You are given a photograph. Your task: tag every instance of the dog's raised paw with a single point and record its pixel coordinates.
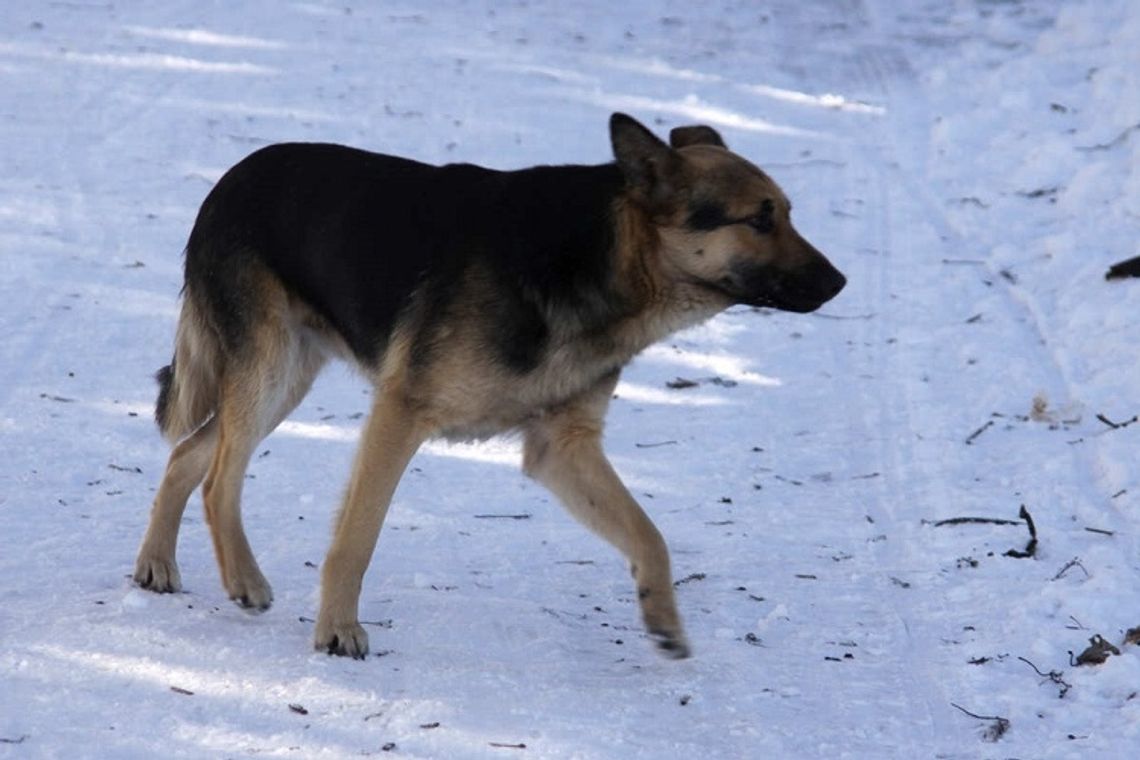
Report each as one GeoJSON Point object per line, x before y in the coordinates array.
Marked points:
{"type": "Point", "coordinates": [673, 645]}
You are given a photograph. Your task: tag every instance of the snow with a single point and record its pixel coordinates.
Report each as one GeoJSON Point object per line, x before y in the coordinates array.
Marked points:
{"type": "Point", "coordinates": [971, 166]}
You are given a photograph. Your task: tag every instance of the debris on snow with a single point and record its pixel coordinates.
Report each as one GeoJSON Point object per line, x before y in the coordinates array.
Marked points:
{"type": "Point", "coordinates": [996, 730]}
{"type": "Point", "coordinates": [1031, 547]}
{"type": "Point", "coordinates": [1096, 653]}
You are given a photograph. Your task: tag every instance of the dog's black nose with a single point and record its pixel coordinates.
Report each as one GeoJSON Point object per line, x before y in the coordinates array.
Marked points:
{"type": "Point", "coordinates": [837, 283]}
{"type": "Point", "coordinates": [828, 280]}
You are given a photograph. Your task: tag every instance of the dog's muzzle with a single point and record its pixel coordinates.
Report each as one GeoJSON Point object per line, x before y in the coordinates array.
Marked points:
{"type": "Point", "coordinates": [801, 290]}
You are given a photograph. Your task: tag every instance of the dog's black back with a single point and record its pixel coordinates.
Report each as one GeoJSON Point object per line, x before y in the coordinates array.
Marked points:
{"type": "Point", "coordinates": [356, 234]}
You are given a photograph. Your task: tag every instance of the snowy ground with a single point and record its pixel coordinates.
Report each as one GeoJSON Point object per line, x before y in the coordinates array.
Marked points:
{"type": "Point", "coordinates": [972, 166]}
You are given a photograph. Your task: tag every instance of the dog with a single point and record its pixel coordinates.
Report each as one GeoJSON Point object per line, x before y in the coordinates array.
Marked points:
{"type": "Point", "coordinates": [477, 302]}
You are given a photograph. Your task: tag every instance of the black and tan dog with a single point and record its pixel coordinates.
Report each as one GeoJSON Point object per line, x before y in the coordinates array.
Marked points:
{"type": "Point", "coordinates": [477, 302]}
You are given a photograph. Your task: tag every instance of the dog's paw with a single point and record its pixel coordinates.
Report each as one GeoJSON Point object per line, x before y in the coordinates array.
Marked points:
{"type": "Point", "coordinates": [252, 593]}
{"type": "Point", "coordinates": [671, 644]}
{"type": "Point", "coordinates": [346, 640]}
{"type": "Point", "coordinates": [158, 575]}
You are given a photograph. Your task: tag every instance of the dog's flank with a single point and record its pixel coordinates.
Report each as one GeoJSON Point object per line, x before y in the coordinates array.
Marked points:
{"type": "Point", "coordinates": [477, 302]}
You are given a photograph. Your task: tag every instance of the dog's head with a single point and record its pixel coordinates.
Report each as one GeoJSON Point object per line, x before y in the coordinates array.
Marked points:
{"type": "Point", "coordinates": [724, 224]}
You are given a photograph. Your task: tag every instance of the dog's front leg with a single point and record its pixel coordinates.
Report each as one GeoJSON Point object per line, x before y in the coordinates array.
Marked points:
{"type": "Point", "coordinates": [390, 438]}
{"type": "Point", "coordinates": [563, 451]}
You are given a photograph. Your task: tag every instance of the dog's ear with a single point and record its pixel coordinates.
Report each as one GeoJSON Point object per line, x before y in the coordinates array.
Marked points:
{"type": "Point", "coordinates": [651, 168]}
{"type": "Point", "coordinates": [698, 134]}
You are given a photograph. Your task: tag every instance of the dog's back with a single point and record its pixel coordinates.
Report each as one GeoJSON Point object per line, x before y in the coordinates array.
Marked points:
{"type": "Point", "coordinates": [355, 234]}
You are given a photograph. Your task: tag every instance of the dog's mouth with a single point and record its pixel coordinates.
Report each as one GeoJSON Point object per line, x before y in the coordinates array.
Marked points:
{"type": "Point", "coordinates": [800, 291]}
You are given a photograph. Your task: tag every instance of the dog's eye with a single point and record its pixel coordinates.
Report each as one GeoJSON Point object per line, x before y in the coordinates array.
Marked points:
{"type": "Point", "coordinates": [707, 216]}
{"type": "Point", "coordinates": [762, 222]}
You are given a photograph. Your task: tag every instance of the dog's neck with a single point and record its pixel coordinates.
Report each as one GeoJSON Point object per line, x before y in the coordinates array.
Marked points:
{"type": "Point", "coordinates": [647, 287]}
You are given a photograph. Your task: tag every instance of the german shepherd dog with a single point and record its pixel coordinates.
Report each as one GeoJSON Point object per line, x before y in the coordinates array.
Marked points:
{"type": "Point", "coordinates": [477, 302]}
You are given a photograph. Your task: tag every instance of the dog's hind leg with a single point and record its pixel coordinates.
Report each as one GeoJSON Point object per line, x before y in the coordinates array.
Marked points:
{"type": "Point", "coordinates": [156, 568]}
{"type": "Point", "coordinates": [259, 389]}
{"type": "Point", "coordinates": [563, 451]}
{"type": "Point", "coordinates": [221, 495]}
{"type": "Point", "coordinates": [390, 438]}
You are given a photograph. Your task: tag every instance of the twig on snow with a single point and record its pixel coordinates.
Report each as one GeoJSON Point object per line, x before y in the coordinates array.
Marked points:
{"type": "Point", "coordinates": [683, 382]}
{"type": "Point", "coordinates": [974, 435]}
{"type": "Point", "coordinates": [1041, 192]}
{"type": "Point", "coordinates": [1053, 675]}
{"type": "Point", "coordinates": [1074, 562]}
{"type": "Point", "coordinates": [1077, 625]}
{"type": "Point", "coordinates": [690, 578]}
{"type": "Point", "coordinates": [1118, 425]}
{"type": "Point", "coordinates": [1031, 547]}
{"type": "Point", "coordinates": [979, 520]}
{"type": "Point", "coordinates": [994, 732]}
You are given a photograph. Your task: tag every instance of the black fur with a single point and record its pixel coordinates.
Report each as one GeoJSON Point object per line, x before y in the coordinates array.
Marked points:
{"type": "Point", "coordinates": [709, 215]}
{"type": "Point", "coordinates": [357, 234]}
{"type": "Point", "coordinates": [706, 215]}
{"type": "Point", "coordinates": [1121, 269]}
{"type": "Point", "coordinates": [798, 290]}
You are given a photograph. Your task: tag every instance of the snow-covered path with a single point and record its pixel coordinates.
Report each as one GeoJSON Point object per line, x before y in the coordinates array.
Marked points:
{"type": "Point", "coordinates": [970, 166]}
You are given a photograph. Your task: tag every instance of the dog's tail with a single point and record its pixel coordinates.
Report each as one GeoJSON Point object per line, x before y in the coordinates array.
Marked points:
{"type": "Point", "coordinates": [189, 385]}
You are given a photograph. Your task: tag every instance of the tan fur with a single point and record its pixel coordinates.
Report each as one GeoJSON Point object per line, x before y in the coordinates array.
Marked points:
{"type": "Point", "coordinates": [195, 384]}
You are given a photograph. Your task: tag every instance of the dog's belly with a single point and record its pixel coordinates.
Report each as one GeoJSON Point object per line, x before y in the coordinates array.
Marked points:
{"type": "Point", "coordinates": [480, 405]}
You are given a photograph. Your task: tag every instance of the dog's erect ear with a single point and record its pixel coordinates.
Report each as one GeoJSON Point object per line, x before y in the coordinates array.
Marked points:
{"type": "Point", "coordinates": [699, 134]}
{"type": "Point", "coordinates": [651, 167]}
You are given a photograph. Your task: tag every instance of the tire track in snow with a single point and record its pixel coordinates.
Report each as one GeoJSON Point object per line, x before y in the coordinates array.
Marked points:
{"type": "Point", "coordinates": [927, 390]}
{"type": "Point", "coordinates": [880, 411]}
